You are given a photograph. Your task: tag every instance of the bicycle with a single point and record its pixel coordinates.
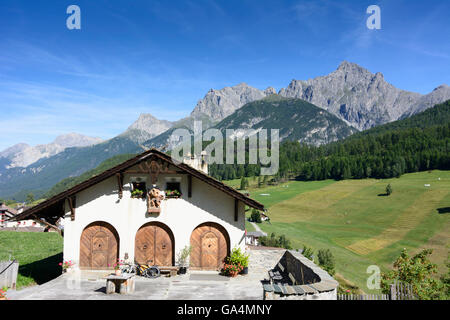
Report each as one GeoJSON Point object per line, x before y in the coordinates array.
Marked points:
{"type": "Point", "coordinates": [129, 268]}
{"type": "Point", "coordinates": [149, 271]}
{"type": "Point", "coordinates": [143, 270]}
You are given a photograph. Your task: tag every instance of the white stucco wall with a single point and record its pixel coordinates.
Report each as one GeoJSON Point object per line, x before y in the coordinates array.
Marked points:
{"type": "Point", "coordinates": [101, 203]}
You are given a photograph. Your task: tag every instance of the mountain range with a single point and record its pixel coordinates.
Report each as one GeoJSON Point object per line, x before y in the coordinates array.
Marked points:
{"type": "Point", "coordinates": [314, 111]}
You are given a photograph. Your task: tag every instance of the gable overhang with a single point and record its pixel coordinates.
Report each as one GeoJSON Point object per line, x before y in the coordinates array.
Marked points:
{"type": "Point", "coordinates": [47, 207]}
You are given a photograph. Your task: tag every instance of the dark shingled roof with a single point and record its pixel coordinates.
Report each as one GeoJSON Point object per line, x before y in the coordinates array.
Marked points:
{"type": "Point", "coordinates": [39, 209]}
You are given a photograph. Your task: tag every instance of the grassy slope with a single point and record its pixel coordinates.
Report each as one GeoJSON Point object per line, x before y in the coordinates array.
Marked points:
{"type": "Point", "coordinates": [269, 195]}
{"type": "Point", "coordinates": [38, 255]}
{"type": "Point", "coordinates": [360, 226]}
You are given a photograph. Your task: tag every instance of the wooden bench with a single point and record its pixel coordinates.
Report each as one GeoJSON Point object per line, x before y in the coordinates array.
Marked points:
{"type": "Point", "coordinates": [170, 270]}
{"type": "Point", "coordinates": [275, 276]}
{"type": "Point", "coordinates": [122, 284]}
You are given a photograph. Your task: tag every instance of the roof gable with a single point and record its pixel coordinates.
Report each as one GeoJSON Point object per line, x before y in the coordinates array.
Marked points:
{"type": "Point", "coordinates": [39, 209]}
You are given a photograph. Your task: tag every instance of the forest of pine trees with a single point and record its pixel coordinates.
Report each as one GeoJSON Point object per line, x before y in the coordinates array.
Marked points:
{"type": "Point", "coordinates": [419, 143]}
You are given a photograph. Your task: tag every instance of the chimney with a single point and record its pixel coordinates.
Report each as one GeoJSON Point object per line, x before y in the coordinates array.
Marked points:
{"type": "Point", "coordinates": [198, 163]}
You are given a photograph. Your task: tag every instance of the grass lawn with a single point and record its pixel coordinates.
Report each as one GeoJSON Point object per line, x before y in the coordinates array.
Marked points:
{"type": "Point", "coordinates": [270, 195]}
{"type": "Point", "coordinates": [38, 254]}
{"type": "Point", "coordinates": [360, 225]}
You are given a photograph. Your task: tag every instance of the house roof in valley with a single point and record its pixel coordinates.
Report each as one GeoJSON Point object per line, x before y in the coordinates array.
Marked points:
{"type": "Point", "coordinates": [5, 209]}
{"type": "Point", "coordinates": [256, 234]}
{"type": "Point", "coordinates": [39, 210]}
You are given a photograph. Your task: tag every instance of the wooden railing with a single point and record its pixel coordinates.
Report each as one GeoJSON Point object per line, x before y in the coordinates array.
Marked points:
{"type": "Point", "coordinates": [398, 291]}
{"type": "Point", "coordinates": [363, 297]}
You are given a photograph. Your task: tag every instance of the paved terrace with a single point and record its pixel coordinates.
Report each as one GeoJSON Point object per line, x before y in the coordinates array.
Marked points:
{"type": "Point", "coordinates": [196, 285]}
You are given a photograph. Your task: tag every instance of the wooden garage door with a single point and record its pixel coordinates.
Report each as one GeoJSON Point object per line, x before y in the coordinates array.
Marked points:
{"type": "Point", "coordinates": [99, 246]}
{"type": "Point", "coordinates": [154, 245]}
{"type": "Point", "coordinates": [210, 246]}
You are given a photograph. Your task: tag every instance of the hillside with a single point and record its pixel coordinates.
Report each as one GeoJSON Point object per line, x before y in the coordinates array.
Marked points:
{"type": "Point", "coordinates": [296, 119]}
{"type": "Point", "coordinates": [360, 227]}
{"type": "Point", "coordinates": [73, 181]}
{"type": "Point", "coordinates": [37, 178]}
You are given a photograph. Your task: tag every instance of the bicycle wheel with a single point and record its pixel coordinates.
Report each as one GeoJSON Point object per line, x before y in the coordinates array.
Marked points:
{"type": "Point", "coordinates": [153, 272]}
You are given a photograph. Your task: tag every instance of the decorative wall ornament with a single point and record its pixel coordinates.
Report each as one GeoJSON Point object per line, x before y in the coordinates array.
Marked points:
{"type": "Point", "coordinates": [154, 198]}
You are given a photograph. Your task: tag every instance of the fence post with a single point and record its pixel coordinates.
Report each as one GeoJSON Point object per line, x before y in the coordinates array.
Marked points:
{"type": "Point", "coordinates": [8, 273]}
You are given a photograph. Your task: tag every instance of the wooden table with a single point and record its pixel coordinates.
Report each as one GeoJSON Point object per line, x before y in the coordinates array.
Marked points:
{"type": "Point", "coordinates": [122, 284]}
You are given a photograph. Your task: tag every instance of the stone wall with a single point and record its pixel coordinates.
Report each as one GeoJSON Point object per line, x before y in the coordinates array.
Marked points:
{"type": "Point", "coordinates": [302, 280]}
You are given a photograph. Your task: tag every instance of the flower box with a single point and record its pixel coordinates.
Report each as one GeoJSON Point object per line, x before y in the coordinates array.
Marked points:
{"type": "Point", "coordinates": [173, 197]}
{"type": "Point", "coordinates": [137, 194]}
{"type": "Point", "coordinates": [172, 194]}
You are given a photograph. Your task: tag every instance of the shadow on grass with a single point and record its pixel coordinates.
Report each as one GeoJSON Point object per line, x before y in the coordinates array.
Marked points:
{"type": "Point", "coordinates": [382, 194]}
{"type": "Point", "coordinates": [443, 210]}
{"type": "Point", "coordinates": [44, 270]}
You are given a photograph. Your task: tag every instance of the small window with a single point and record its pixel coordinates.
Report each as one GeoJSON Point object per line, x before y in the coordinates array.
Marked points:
{"type": "Point", "coordinates": [172, 186]}
{"type": "Point", "coordinates": [139, 189]}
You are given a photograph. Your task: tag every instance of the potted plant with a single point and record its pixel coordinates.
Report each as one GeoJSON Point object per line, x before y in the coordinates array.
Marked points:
{"type": "Point", "coordinates": [3, 293]}
{"type": "Point", "coordinates": [117, 266]}
{"type": "Point", "coordinates": [235, 263]}
{"type": "Point", "coordinates": [238, 258]}
{"type": "Point", "coordinates": [174, 194]}
{"type": "Point", "coordinates": [136, 193]}
{"type": "Point", "coordinates": [244, 262]}
{"type": "Point", "coordinates": [231, 270]}
{"type": "Point", "coordinates": [66, 266]}
{"type": "Point", "coordinates": [182, 259]}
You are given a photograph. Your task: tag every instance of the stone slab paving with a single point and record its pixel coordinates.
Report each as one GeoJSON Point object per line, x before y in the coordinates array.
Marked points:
{"type": "Point", "coordinates": [91, 285]}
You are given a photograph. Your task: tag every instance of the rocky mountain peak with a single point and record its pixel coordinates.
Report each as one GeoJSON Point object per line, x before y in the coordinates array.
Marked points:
{"type": "Point", "coordinates": [9, 152]}
{"type": "Point", "coordinates": [22, 155]}
{"type": "Point", "coordinates": [219, 104]}
{"type": "Point", "coordinates": [269, 91]}
{"type": "Point", "coordinates": [442, 87]}
{"type": "Point", "coordinates": [75, 140]}
{"type": "Point", "coordinates": [146, 127]}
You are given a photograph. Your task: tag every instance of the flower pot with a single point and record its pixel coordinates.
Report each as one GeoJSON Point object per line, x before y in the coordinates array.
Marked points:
{"type": "Point", "coordinates": [233, 274]}
{"type": "Point", "coordinates": [244, 271]}
{"type": "Point", "coordinates": [182, 270]}
{"type": "Point", "coordinates": [118, 272]}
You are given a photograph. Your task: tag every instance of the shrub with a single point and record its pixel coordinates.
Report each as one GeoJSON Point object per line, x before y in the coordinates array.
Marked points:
{"type": "Point", "coordinates": [255, 216]}
{"type": "Point", "coordinates": [418, 271]}
{"type": "Point", "coordinates": [238, 258]}
{"type": "Point", "coordinates": [326, 261]}
{"type": "Point", "coordinates": [244, 183]}
{"type": "Point", "coordinates": [308, 252]}
{"type": "Point", "coordinates": [389, 189]}
{"type": "Point", "coordinates": [183, 255]}
{"type": "Point", "coordinates": [274, 241]}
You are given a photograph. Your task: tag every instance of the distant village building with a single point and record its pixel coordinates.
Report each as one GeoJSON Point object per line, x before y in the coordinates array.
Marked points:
{"type": "Point", "coordinates": [7, 214]}
{"type": "Point", "coordinates": [147, 209]}
{"type": "Point", "coordinates": [264, 217]}
{"type": "Point", "coordinates": [252, 237]}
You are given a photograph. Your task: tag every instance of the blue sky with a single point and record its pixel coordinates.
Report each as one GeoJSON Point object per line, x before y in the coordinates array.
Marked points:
{"type": "Point", "coordinates": [161, 57]}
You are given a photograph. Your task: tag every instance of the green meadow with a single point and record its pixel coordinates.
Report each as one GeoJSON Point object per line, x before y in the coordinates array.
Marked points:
{"type": "Point", "coordinates": [358, 222]}
{"type": "Point", "coordinates": [38, 253]}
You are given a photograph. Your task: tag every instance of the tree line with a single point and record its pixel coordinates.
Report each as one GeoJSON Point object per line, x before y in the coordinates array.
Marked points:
{"type": "Point", "coordinates": [383, 152]}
